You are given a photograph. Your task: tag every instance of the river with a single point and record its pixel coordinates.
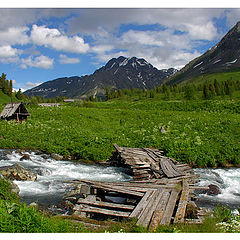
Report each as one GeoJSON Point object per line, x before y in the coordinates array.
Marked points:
{"type": "Point", "coordinates": [49, 187]}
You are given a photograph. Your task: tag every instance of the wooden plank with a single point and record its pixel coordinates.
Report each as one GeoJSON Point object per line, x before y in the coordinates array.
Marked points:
{"type": "Point", "coordinates": [146, 215]}
{"type": "Point", "coordinates": [158, 213]}
{"type": "Point", "coordinates": [144, 176]}
{"type": "Point", "coordinates": [164, 167]}
{"type": "Point", "coordinates": [114, 189]}
{"type": "Point", "coordinates": [105, 204]}
{"type": "Point", "coordinates": [179, 217]}
{"type": "Point", "coordinates": [117, 147]}
{"type": "Point", "coordinates": [89, 209]}
{"type": "Point", "coordinates": [142, 204]}
{"type": "Point", "coordinates": [166, 219]}
{"type": "Point", "coordinates": [141, 166]}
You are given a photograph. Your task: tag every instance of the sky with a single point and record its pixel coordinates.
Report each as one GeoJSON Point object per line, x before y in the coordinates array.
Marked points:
{"type": "Point", "coordinates": [42, 44]}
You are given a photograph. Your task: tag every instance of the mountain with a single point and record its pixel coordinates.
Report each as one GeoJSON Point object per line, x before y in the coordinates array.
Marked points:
{"type": "Point", "coordinates": [224, 56]}
{"type": "Point", "coordinates": [118, 73]}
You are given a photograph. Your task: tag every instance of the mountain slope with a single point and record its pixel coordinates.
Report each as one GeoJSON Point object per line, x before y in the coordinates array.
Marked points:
{"type": "Point", "coordinates": [224, 56]}
{"type": "Point", "coordinates": [118, 73]}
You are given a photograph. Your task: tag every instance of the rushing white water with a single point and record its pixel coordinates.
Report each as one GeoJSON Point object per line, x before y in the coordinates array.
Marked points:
{"type": "Point", "coordinates": [228, 180]}
{"type": "Point", "coordinates": [49, 188]}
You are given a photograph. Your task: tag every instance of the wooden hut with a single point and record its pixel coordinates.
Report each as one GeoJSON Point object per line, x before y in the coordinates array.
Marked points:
{"type": "Point", "coordinates": [14, 111]}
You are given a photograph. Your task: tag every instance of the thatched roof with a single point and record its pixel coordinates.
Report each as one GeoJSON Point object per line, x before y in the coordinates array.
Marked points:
{"type": "Point", "coordinates": [11, 108]}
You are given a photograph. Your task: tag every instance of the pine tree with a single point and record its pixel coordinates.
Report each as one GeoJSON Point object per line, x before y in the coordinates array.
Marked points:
{"type": "Point", "coordinates": [212, 92]}
{"type": "Point", "coordinates": [107, 93]}
{"type": "Point", "coordinates": [206, 94]}
{"type": "Point", "coordinates": [10, 88]}
{"type": "Point", "coordinates": [19, 95]}
{"type": "Point", "coordinates": [217, 87]}
{"type": "Point", "coordinates": [189, 92]}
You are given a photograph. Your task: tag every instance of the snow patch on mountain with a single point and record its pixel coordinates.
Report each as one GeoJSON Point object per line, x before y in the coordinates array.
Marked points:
{"type": "Point", "coordinates": [198, 65]}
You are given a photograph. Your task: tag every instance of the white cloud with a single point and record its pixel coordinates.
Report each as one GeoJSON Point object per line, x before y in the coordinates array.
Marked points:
{"type": "Point", "coordinates": [188, 19]}
{"type": "Point", "coordinates": [100, 49]}
{"type": "Point", "coordinates": [51, 37]}
{"type": "Point", "coordinates": [32, 84]}
{"type": "Point", "coordinates": [68, 60]}
{"type": "Point", "coordinates": [9, 54]}
{"type": "Point", "coordinates": [14, 35]}
{"type": "Point", "coordinates": [39, 62]}
{"type": "Point", "coordinates": [7, 51]}
{"type": "Point", "coordinates": [163, 49]}
{"type": "Point", "coordinates": [204, 32]}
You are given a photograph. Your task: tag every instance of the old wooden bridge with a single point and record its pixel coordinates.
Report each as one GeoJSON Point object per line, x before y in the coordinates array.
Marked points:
{"type": "Point", "coordinates": [161, 192]}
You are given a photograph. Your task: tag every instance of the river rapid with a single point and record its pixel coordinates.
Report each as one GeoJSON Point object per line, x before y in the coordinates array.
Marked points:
{"type": "Point", "coordinates": [49, 187]}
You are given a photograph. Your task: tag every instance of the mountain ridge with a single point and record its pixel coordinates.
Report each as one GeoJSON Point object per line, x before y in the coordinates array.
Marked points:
{"type": "Point", "coordinates": [222, 57]}
{"type": "Point", "coordinates": [118, 73]}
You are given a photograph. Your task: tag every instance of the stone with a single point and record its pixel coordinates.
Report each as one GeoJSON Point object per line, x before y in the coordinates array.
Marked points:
{"type": "Point", "coordinates": [56, 156]}
{"type": "Point", "coordinates": [17, 172]}
{"type": "Point", "coordinates": [25, 157]}
{"type": "Point", "coordinates": [38, 152]}
{"type": "Point", "coordinates": [45, 156]}
{"type": "Point", "coordinates": [74, 194]}
{"type": "Point", "coordinates": [15, 188]}
{"type": "Point", "coordinates": [213, 190]}
{"type": "Point", "coordinates": [43, 172]}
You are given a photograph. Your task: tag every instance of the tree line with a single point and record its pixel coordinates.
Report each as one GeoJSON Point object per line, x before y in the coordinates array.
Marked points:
{"type": "Point", "coordinates": [192, 91]}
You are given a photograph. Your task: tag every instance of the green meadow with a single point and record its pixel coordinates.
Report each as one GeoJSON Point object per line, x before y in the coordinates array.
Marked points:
{"type": "Point", "coordinates": [202, 133]}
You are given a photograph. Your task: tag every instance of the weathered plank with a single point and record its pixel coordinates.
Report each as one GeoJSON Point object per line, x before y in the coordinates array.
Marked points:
{"type": "Point", "coordinates": [142, 204]}
{"type": "Point", "coordinates": [169, 169]}
{"type": "Point", "coordinates": [117, 147]}
{"type": "Point", "coordinates": [114, 189]}
{"type": "Point", "coordinates": [158, 213]}
{"type": "Point", "coordinates": [166, 219]}
{"type": "Point", "coordinates": [146, 214]}
{"type": "Point", "coordinates": [179, 217]}
{"type": "Point", "coordinates": [105, 204]}
{"type": "Point", "coordinates": [83, 208]}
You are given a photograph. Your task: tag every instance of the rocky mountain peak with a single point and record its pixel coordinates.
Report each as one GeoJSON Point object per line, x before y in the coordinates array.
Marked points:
{"type": "Point", "coordinates": [118, 73]}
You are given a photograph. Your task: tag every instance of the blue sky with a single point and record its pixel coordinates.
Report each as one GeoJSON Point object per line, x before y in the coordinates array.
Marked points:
{"type": "Point", "coordinates": [38, 45]}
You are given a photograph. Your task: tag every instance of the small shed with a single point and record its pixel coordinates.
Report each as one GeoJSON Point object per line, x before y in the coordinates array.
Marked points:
{"type": "Point", "coordinates": [14, 111]}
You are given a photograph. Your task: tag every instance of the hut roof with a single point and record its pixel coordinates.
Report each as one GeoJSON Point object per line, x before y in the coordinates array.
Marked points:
{"type": "Point", "coordinates": [10, 109]}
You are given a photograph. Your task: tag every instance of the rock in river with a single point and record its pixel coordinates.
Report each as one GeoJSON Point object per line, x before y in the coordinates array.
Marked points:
{"type": "Point", "coordinates": [17, 172]}
{"type": "Point", "coordinates": [56, 156]}
{"type": "Point", "coordinates": [25, 157]}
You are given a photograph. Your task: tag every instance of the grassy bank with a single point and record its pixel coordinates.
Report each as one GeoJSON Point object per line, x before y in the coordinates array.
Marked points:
{"type": "Point", "coordinates": [202, 133]}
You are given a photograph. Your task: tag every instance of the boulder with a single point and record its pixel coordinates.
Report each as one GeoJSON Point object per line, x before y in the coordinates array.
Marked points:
{"type": "Point", "coordinates": [17, 172]}
{"type": "Point", "coordinates": [15, 188]}
{"type": "Point", "coordinates": [45, 156]}
{"type": "Point", "coordinates": [25, 157]}
{"type": "Point", "coordinates": [213, 190]}
{"type": "Point", "coordinates": [56, 156]}
{"type": "Point", "coordinates": [43, 172]}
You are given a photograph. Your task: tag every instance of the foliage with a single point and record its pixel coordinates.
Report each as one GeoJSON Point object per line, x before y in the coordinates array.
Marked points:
{"type": "Point", "coordinates": [16, 217]}
{"type": "Point", "coordinates": [202, 133]}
